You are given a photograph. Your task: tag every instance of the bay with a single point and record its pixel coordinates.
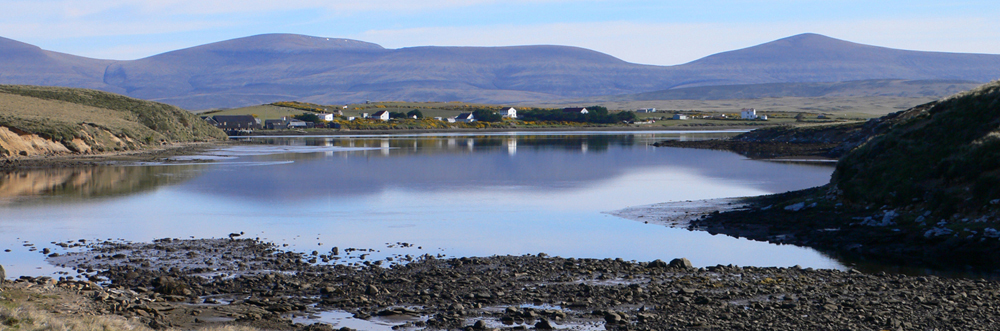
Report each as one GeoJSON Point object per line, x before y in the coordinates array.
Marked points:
{"type": "Point", "coordinates": [450, 195]}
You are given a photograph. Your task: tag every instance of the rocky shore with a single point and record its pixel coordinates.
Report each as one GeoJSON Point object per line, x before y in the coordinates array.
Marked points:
{"type": "Point", "coordinates": [159, 154]}
{"type": "Point", "coordinates": [190, 284]}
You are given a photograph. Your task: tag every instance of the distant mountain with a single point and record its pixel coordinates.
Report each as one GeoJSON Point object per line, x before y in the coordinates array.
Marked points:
{"type": "Point", "coordinates": [854, 88]}
{"type": "Point", "coordinates": [273, 67]}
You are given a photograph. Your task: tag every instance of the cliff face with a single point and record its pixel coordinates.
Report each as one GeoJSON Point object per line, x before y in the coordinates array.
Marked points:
{"type": "Point", "coordinates": [943, 156]}
{"type": "Point", "coordinates": [50, 121]}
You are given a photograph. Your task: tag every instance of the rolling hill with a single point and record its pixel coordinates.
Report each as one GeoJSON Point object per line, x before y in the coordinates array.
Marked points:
{"type": "Point", "coordinates": [266, 68]}
{"type": "Point", "coordinates": [38, 120]}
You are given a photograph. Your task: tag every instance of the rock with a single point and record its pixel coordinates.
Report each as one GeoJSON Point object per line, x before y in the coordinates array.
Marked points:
{"type": "Point", "coordinates": [372, 290]}
{"type": "Point", "coordinates": [318, 327]}
{"type": "Point", "coordinates": [170, 286]}
{"type": "Point", "coordinates": [3, 274]}
{"type": "Point", "coordinates": [796, 206]}
{"type": "Point", "coordinates": [681, 263]}
{"type": "Point", "coordinates": [657, 264]}
{"type": "Point", "coordinates": [544, 324]}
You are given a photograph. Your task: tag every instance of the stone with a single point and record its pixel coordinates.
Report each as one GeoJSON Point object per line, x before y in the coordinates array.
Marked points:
{"type": "Point", "coordinates": [3, 274]}
{"type": "Point", "coordinates": [681, 263]}
{"type": "Point", "coordinates": [544, 324]}
{"type": "Point", "coordinates": [372, 290]}
{"type": "Point", "coordinates": [657, 264]}
{"type": "Point", "coordinates": [796, 206]}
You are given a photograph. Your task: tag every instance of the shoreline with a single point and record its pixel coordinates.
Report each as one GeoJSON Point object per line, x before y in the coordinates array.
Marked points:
{"type": "Point", "coordinates": [678, 214]}
{"type": "Point", "coordinates": [342, 132]}
{"type": "Point", "coordinates": [159, 154]}
{"type": "Point", "coordinates": [248, 283]}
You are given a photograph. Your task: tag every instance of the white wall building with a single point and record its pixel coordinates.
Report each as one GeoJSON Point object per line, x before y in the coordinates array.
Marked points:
{"type": "Point", "coordinates": [465, 117]}
{"type": "Point", "coordinates": [508, 113]}
{"type": "Point", "coordinates": [381, 115]}
{"type": "Point", "coordinates": [748, 114]}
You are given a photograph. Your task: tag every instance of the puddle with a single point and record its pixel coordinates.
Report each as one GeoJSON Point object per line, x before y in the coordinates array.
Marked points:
{"type": "Point", "coordinates": [530, 325]}
{"type": "Point", "coordinates": [339, 319]}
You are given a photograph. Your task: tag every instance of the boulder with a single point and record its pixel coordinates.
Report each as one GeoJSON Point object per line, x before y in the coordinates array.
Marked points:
{"type": "Point", "coordinates": [657, 264]}
{"type": "Point", "coordinates": [681, 263]}
{"type": "Point", "coordinates": [3, 274]}
{"type": "Point", "coordinates": [544, 324]}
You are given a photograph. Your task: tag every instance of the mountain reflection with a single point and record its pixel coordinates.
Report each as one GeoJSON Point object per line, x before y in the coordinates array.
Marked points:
{"type": "Point", "coordinates": [403, 145]}
{"type": "Point", "coordinates": [456, 163]}
{"type": "Point", "coordinates": [71, 184]}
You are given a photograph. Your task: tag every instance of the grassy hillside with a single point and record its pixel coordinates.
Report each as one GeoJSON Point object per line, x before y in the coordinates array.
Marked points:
{"type": "Point", "coordinates": [93, 121]}
{"type": "Point", "coordinates": [945, 155]}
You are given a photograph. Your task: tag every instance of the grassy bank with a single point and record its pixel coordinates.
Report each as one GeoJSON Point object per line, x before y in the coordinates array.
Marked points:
{"type": "Point", "coordinates": [89, 121]}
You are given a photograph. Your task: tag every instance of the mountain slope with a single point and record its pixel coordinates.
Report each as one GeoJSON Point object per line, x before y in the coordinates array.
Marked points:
{"type": "Point", "coordinates": [265, 68]}
{"type": "Point", "coordinates": [22, 63]}
{"type": "Point", "coordinates": [816, 58]}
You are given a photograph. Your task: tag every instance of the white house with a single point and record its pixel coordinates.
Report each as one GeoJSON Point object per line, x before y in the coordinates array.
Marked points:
{"type": "Point", "coordinates": [748, 114]}
{"type": "Point", "coordinates": [576, 110]}
{"type": "Point", "coordinates": [325, 117]}
{"type": "Point", "coordinates": [680, 117]}
{"type": "Point", "coordinates": [465, 117]}
{"type": "Point", "coordinates": [646, 110]}
{"type": "Point", "coordinates": [381, 115]}
{"type": "Point", "coordinates": [508, 113]}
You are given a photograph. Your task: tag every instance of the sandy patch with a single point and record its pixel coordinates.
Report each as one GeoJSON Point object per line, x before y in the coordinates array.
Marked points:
{"type": "Point", "coordinates": [678, 214]}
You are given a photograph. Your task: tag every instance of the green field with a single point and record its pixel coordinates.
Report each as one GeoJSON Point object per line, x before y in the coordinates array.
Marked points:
{"type": "Point", "coordinates": [662, 118]}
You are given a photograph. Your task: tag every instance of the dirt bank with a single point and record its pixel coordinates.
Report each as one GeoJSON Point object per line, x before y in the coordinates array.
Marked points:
{"type": "Point", "coordinates": [191, 283]}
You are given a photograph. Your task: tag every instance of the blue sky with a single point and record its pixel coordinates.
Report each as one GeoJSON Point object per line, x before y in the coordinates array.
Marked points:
{"type": "Point", "coordinates": [648, 32]}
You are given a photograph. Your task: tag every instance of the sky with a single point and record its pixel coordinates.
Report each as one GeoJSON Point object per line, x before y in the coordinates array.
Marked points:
{"type": "Point", "coordinates": [647, 32]}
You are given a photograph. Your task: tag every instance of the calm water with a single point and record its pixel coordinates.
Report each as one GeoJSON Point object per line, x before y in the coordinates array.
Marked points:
{"type": "Point", "coordinates": [457, 195]}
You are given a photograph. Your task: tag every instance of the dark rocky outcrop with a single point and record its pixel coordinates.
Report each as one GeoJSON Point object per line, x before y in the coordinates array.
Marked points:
{"type": "Point", "coordinates": [921, 187]}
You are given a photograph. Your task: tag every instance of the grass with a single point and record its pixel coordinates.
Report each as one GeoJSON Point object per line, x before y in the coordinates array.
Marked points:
{"type": "Point", "coordinates": [431, 110]}
{"type": "Point", "coordinates": [945, 154]}
{"type": "Point", "coordinates": [849, 106]}
{"type": "Point", "coordinates": [98, 118]}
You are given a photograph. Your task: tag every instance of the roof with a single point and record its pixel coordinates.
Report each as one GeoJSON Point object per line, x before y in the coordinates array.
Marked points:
{"type": "Point", "coordinates": [463, 116]}
{"type": "Point", "coordinates": [573, 110]}
{"type": "Point", "coordinates": [380, 112]}
{"type": "Point", "coordinates": [234, 118]}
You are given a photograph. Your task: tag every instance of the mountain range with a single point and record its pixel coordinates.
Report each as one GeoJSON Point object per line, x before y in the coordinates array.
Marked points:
{"type": "Point", "coordinates": [275, 67]}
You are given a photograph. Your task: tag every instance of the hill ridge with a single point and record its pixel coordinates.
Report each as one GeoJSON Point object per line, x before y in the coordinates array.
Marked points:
{"type": "Point", "coordinates": [272, 67]}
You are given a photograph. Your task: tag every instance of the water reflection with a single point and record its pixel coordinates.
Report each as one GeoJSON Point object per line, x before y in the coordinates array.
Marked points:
{"type": "Point", "coordinates": [555, 163]}
{"type": "Point", "coordinates": [459, 195]}
{"type": "Point", "coordinates": [79, 184]}
{"type": "Point", "coordinates": [402, 145]}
